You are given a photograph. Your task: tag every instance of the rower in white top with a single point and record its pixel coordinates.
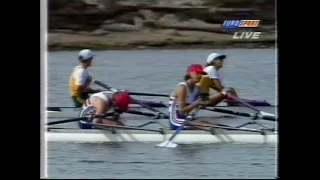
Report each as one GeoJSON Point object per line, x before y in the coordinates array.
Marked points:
{"type": "Point", "coordinates": [185, 99]}
{"type": "Point", "coordinates": [212, 79]}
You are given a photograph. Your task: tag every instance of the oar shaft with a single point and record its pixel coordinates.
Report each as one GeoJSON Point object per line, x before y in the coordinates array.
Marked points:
{"type": "Point", "coordinates": [150, 108]}
{"type": "Point", "coordinates": [59, 108]}
{"type": "Point", "coordinates": [147, 94]}
{"type": "Point", "coordinates": [67, 120]}
{"type": "Point", "coordinates": [240, 113]}
{"type": "Point", "coordinates": [141, 113]}
{"type": "Point", "coordinates": [102, 85]}
{"type": "Point", "coordinates": [186, 121]}
{"type": "Point", "coordinates": [229, 112]}
{"type": "Point", "coordinates": [76, 119]}
{"type": "Point", "coordinates": [244, 103]}
{"type": "Point", "coordinates": [124, 127]}
{"type": "Point", "coordinates": [229, 128]}
{"type": "Point", "coordinates": [178, 130]}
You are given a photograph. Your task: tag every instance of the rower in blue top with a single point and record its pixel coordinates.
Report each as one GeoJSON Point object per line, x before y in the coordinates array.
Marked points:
{"type": "Point", "coordinates": [185, 99]}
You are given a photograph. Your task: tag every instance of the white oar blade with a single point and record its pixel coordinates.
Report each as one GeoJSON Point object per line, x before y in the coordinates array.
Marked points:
{"type": "Point", "coordinates": [266, 114]}
{"type": "Point", "coordinates": [167, 144]}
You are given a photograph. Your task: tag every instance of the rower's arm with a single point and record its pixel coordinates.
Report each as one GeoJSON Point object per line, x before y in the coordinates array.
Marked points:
{"type": "Point", "coordinates": [90, 90]}
{"type": "Point", "coordinates": [217, 85]}
{"type": "Point", "coordinates": [83, 82]}
{"type": "Point", "coordinates": [181, 95]}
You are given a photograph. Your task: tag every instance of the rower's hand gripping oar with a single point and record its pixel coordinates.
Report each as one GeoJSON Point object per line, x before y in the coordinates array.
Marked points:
{"type": "Point", "coordinates": [131, 93]}
{"type": "Point", "coordinates": [262, 113]}
{"type": "Point", "coordinates": [159, 113]}
{"type": "Point", "coordinates": [169, 142]}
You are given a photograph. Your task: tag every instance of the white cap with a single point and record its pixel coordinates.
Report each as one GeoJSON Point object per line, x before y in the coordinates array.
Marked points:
{"type": "Point", "coordinates": [86, 54]}
{"type": "Point", "coordinates": [213, 56]}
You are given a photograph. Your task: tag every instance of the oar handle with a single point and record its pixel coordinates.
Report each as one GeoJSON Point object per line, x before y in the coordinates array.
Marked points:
{"type": "Point", "coordinates": [104, 85]}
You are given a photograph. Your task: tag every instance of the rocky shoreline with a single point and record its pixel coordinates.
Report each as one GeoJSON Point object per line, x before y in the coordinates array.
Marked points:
{"type": "Point", "coordinates": [100, 25]}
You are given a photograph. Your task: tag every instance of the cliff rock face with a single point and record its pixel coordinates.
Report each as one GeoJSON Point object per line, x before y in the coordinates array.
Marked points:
{"type": "Point", "coordinates": [196, 19]}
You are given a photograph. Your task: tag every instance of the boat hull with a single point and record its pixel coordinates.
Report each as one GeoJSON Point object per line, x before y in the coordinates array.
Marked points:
{"type": "Point", "coordinates": [74, 112]}
{"type": "Point", "coordinates": [184, 137]}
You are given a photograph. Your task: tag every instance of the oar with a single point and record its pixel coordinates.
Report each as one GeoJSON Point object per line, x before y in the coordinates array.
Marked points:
{"type": "Point", "coordinates": [75, 119]}
{"type": "Point", "coordinates": [59, 108]}
{"type": "Point", "coordinates": [150, 103]}
{"type": "Point", "coordinates": [169, 142]}
{"type": "Point", "coordinates": [159, 113]}
{"type": "Point", "coordinates": [105, 86]}
{"type": "Point", "coordinates": [232, 128]}
{"type": "Point", "coordinates": [147, 94]}
{"type": "Point", "coordinates": [134, 100]}
{"type": "Point", "coordinates": [67, 120]}
{"type": "Point", "coordinates": [124, 127]}
{"type": "Point", "coordinates": [250, 106]}
{"type": "Point", "coordinates": [132, 93]}
{"type": "Point", "coordinates": [253, 116]}
{"type": "Point", "coordinates": [143, 114]}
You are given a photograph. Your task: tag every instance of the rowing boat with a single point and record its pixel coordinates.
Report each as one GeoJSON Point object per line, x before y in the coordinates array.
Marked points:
{"type": "Point", "coordinates": [185, 137]}
{"type": "Point", "coordinates": [74, 112]}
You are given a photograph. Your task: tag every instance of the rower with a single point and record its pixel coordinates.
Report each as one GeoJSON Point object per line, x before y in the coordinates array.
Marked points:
{"type": "Point", "coordinates": [212, 79]}
{"type": "Point", "coordinates": [185, 99]}
{"type": "Point", "coordinates": [80, 79]}
{"type": "Point", "coordinates": [105, 102]}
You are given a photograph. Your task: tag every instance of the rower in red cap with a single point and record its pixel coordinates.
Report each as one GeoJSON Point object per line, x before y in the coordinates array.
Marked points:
{"type": "Point", "coordinates": [103, 102]}
{"type": "Point", "coordinates": [185, 99]}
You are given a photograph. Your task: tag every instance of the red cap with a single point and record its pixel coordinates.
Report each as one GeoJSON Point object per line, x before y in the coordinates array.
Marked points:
{"type": "Point", "coordinates": [122, 101]}
{"type": "Point", "coordinates": [196, 68]}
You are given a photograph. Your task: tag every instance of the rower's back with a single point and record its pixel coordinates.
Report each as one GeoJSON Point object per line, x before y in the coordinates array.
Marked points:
{"type": "Point", "coordinates": [79, 80]}
{"type": "Point", "coordinates": [89, 109]}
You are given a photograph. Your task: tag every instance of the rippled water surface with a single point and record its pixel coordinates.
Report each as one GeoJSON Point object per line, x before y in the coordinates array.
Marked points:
{"type": "Point", "coordinates": [251, 72]}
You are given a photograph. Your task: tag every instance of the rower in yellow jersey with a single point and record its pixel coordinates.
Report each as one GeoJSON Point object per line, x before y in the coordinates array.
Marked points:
{"type": "Point", "coordinates": [80, 79]}
{"type": "Point", "coordinates": [212, 79]}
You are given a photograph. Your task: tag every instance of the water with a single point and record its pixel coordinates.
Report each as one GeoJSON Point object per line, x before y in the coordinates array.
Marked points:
{"type": "Point", "coordinates": [251, 72]}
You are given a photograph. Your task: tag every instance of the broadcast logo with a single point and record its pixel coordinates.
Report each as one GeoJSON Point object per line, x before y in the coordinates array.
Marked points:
{"type": "Point", "coordinates": [246, 25]}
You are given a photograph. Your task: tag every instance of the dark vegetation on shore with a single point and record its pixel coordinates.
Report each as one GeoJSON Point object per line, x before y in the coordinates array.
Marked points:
{"type": "Point", "coordinates": [105, 24]}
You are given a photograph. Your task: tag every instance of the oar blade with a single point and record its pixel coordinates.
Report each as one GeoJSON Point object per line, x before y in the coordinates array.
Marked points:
{"type": "Point", "coordinates": [167, 144]}
{"type": "Point", "coordinates": [267, 114]}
